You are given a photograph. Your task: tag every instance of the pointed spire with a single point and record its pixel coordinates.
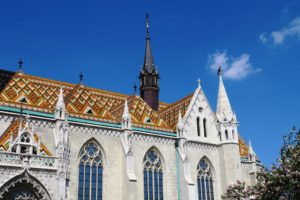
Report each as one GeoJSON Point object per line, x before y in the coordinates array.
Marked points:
{"type": "Point", "coordinates": [126, 118]}
{"type": "Point", "coordinates": [60, 101]}
{"type": "Point", "coordinates": [251, 151]}
{"type": "Point", "coordinates": [223, 105]}
{"type": "Point", "coordinates": [60, 107]}
{"type": "Point", "coordinates": [180, 122]}
{"type": "Point", "coordinates": [126, 110]}
{"type": "Point", "coordinates": [252, 155]}
{"type": "Point", "coordinates": [148, 60]}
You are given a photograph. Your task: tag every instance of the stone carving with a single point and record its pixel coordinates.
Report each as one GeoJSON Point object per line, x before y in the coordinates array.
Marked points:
{"type": "Point", "coordinates": [24, 185]}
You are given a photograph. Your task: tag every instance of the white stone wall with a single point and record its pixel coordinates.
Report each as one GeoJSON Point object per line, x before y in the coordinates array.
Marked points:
{"type": "Point", "coordinates": [223, 157]}
{"type": "Point", "coordinates": [166, 149]}
{"type": "Point", "coordinates": [112, 154]}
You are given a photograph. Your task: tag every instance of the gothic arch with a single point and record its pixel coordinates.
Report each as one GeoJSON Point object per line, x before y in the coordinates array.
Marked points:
{"type": "Point", "coordinates": [102, 152]}
{"type": "Point", "coordinates": [90, 170]}
{"type": "Point", "coordinates": [213, 171]}
{"type": "Point", "coordinates": [205, 179]}
{"type": "Point", "coordinates": [24, 186]}
{"type": "Point", "coordinates": [153, 173]}
{"type": "Point", "coordinates": [154, 148]}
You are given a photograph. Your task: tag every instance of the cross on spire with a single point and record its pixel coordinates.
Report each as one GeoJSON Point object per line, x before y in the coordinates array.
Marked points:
{"type": "Point", "coordinates": [80, 77]}
{"type": "Point", "coordinates": [20, 65]}
{"type": "Point", "coordinates": [199, 82]}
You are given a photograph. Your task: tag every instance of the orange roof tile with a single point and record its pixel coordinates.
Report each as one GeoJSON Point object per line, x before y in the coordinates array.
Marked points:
{"type": "Point", "coordinates": [41, 94]}
{"type": "Point", "coordinates": [170, 114]}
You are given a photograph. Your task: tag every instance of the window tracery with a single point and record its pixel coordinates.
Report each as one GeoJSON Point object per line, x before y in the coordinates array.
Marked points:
{"type": "Point", "coordinates": [153, 176]}
{"type": "Point", "coordinates": [90, 172]}
{"type": "Point", "coordinates": [205, 181]}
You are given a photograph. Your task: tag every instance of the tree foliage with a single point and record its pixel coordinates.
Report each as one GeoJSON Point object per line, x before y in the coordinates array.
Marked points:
{"type": "Point", "coordinates": [280, 182]}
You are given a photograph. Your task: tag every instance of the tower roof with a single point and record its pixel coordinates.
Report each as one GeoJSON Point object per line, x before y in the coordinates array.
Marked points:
{"type": "Point", "coordinates": [223, 105]}
{"type": "Point", "coordinates": [148, 59]}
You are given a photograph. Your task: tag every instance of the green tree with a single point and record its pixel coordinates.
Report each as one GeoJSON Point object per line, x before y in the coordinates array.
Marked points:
{"type": "Point", "coordinates": [280, 182]}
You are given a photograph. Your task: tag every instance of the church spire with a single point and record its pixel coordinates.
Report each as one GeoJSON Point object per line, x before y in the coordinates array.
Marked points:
{"type": "Point", "coordinates": [148, 59]}
{"type": "Point", "coordinates": [149, 75]}
{"type": "Point", "coordinates": [223, 105]}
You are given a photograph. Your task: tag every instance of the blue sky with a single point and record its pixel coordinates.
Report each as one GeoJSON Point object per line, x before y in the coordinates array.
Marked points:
{"type": "Point", "coordinates": [257, 42]}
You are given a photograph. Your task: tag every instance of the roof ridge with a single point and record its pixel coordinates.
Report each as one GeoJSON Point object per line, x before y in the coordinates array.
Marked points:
{"type": "Point", "coordinates": [175, 103]}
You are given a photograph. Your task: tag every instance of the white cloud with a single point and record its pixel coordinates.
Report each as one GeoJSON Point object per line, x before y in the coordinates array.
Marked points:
{"type": "Point", "coordinates": [235, 68]}
{"type": "Point", "coordinates": [278, 37]}
{"type": "Point", "coordinates": [263, 38]}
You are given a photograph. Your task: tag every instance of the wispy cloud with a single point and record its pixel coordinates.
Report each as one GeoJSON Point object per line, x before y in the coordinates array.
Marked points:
{"type": "Point", "coordinates": [278, 37]}
{"type": "Point", "coordinates": [235, 68]}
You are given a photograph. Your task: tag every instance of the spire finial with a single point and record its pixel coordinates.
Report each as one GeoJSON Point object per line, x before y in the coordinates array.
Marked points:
{"type": "Point", "coordinates": [199, 83]}
{"type": "Point", "coordinates": [220, 71]}
{"type": "Point", "coordinates": [20, 65]}
{"type": "Point", "coordinates": [80, 77]}
{"type": "Point", "coordinates": [147, 24]}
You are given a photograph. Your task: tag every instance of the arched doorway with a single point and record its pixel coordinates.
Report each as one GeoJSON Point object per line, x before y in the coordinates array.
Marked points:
{"type": "Point", "coordinates": [24, 187]}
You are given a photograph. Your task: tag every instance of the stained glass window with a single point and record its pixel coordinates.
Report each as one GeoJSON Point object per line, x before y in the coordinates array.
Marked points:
{"type": "Point", "coordinates": [90, 172]}
{"type": "Point", "coordinates": [153, 177]}
{"type": "Point", "coordinates": [205, 181]}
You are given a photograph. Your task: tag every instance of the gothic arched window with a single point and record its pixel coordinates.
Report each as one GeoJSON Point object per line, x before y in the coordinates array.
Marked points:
{"type": "Point", "coordinates": [204, 127]}
{"type": "Point", "coordinates": [205, 181]}
{"type": "Point", "coordinates": [226, 134]}
{"type": "Point", "coordinates": [198, 126]}
{"type": "Point", "coordinates": [153, 176]}
{"type": "Point", "coordinates": [90, 172]}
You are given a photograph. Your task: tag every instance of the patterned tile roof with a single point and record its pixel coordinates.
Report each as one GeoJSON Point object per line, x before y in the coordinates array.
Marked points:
{"type": "Point", "coordinates": [41, 94]}
{"type": "Point", "coordinates": [244, 149]}
{"type": "Point", "coordinates": [141, 114]}
{"type": "Point", "coordinates": [13, 130]}
{"type": "Point", "coordinates": [171, 112]}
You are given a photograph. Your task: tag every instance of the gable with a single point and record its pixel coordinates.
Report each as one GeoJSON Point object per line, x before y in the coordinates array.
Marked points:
{"type": "Point", "coordinates": [200, 107]}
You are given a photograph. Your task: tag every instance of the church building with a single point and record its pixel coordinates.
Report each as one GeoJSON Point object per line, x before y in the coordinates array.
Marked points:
{"type": "Point", "coordinates": [63, 141]}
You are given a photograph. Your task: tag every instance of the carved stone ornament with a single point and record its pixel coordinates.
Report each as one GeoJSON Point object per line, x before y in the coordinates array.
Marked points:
{"type": "Point", "coordinates": [24, 187]}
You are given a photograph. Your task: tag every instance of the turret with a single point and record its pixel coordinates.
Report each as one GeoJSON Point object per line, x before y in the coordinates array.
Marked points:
{"type": "Point", "coordinates": [62, 144]}
{"type": "Point", "coordinates": [228, 137]}
{"type": "Point", "coordinates": [149, 76]}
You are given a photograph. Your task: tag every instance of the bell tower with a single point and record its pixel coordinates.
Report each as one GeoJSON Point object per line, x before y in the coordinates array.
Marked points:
{"type": "Point", "coordinates": [149, 76]}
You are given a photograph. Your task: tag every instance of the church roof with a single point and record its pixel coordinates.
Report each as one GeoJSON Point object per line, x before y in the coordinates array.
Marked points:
{"type": "Point", "coordinates": [170, 113]}
{"type": "Point", "coordinates": [40, 94]}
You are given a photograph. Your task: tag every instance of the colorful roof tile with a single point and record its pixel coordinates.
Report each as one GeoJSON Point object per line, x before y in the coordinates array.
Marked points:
{"type": "Point", "coordinates": [41, 94]}
{"type": "Point", "coordinates": [170, 113]}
